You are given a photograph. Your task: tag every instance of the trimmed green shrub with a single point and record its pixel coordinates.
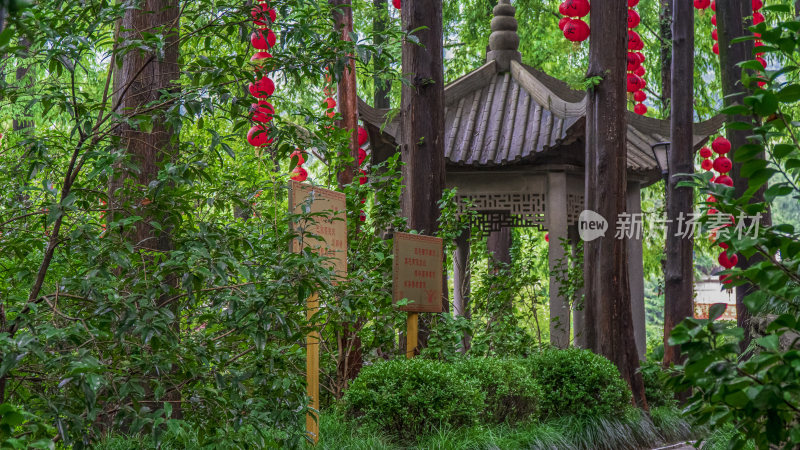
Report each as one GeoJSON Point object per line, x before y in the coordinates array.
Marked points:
{"type": "Point", "coordinates": [578, 382]}
{"type": "Point", "coordinates": [511, 393]}
{"type": "Point", "coordinates": [408, 397]}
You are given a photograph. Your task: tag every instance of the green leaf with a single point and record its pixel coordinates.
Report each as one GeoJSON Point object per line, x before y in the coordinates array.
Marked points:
{"type": "Point", "coordinates": [789, 94]}
{"type": "Point", "coordinates": [769, 342]}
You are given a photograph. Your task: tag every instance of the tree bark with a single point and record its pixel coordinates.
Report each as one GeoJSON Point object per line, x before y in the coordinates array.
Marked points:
{"type": "Point", "coordinates": [608, 316]}
{"type": "Point", "coordinates": [679, 273]}
{"type": "Point", "coordinates": [381, 87]}
{"type": "Point", "coordinates": [733, 18]}
{"type": "Point", "coordinates": [137, 83]}
{"type": "Point", "coordinates": [350, 358]}
{"type": "Point", "coordinates": [498, 245]}
{"type": "Point", "coordinates": [665, 22]}
{"type": "Point", "coordinates": [423, 123]}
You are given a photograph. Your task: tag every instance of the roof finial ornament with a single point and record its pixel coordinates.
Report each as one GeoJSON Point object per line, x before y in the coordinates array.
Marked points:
{"type": "Point", "coordinates": [504, 40]}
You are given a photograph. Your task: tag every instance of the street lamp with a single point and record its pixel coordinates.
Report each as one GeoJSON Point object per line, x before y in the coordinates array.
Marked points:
{"type": "Point", "coordinates": [660, 150]}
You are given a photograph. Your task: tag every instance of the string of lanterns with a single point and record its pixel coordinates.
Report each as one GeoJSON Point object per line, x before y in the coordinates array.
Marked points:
{"type": "Point", "coordinates": [573, 27]}
{"type": "Point", "coordinates": [636, 70]}
{"type": "Point", "coordinates": [722, 165]}
{"type": "Point", "coordinates": [262, 39]}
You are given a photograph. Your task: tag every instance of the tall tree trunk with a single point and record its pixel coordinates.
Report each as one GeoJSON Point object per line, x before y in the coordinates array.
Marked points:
{"type": "Point", "coordinates": [733, 18]}
{"type": "Point", "coordinates": [423, 122]}
{"type": "Point", "coordinates": [665, 33]}
{"type": "Point", "coordinates": [498, 245]}
{"type": "Point", "coordinates": [350, 357]}
{"type": "Point", "coordinates": [137, 83]}
{"type": "Point", "coordinates": [382, 87]}
{"type": "Point", "coordinates": [679, 271]}
{"type": "Point", "coordinates": [608, 317]}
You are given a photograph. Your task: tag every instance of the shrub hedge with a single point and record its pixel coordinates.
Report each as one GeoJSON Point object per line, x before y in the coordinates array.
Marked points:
{"type": "Point", "coordinates": [408, 397]}
{"type": "Point", "coordinates": [578, 382]}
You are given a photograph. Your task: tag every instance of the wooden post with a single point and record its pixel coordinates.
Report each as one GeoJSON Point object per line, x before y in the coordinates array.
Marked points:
{"type": "Point", "coordinates": [312, 370]}
{"type": "Point", "coordinates": [557, 227]}
{"type": "Point", "coordinates": [412, 331]}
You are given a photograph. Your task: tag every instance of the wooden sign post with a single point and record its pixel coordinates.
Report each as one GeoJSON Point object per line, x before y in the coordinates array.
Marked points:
{"type": "Point", "coordinates": [417, 276]}
{"type": "Point", "coordinates": [304, 198]}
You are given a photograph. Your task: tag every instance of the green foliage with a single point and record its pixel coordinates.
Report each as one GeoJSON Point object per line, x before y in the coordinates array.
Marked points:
{"type": "Point", "coordinates": [408, 397]}
{"type": "Point", "coordinates": [578, 382]}
{"type": "Point", "coordinates": [20, 429]}
{"type": "Point", "coordinates": [512, 395]}
{"type": "Point", "coordinates": [656, 390]}
{"type": "Point", "coordinates": [758, 391]}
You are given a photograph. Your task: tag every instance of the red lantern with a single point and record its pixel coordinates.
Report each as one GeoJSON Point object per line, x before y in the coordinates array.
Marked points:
{"type": "Point", "coordinates": [633, 18]}
{"type": "Point", "coordinates": [576, 30]}
{"type": "Point", "coordinates": [705, 152]}
{"type": "Point", "coordinates": [759, 44]}
{"type": "Point", "coordinates": [562, 9]}
{"type": "Point", "coordinates": [639, 71]}
{"type": "Point", "coordinates": [396, 4]}
{"type": "Point", "coordinates": [634, 41]}
{"type": "Point", "coordinates": [563, 22]}
{"type": "Point", "coordinates": [262, 112]}
{"type": "Point", "coordinates": [715, 48]}
{"type": "Point", "coordinates": [362, 216]}
{"type": "Point", "coordinates": [757, 18]}
{"type": "Point", "coordinates": [724, 179]}
{"type": "Point", "coordinates": [725, 261]}
{"type": "Point", "coordinates": [711, 199]}
{"type": "Point", "coordinates": [262, 88]}
{"type": "Point", "coordinates": [547, 237]}
{"type": "Point", "coordinates": [300, 157]}
{"type": "Point", "coordinates": [635, 83]}
{"type": "Point", "coordinates": [299, 174]}
{"type": "Point", "coordinates": [712, 211]}
{"type": "Point", "coordinates": [757, 4]}
{"type": "Point", "coordinates": [363, 178]}
{"type": "Point", "coordinates": [714, 20]}
{"type": "Point", "coordinates": [714, 5]}
{"type": "Point", "coordinates": [576, 8]}
{"type": "Point", "coordinates": [260, 55]}
{"type": "Point", "coordinates": [633, 61]}
{"type": "Point", "coordinates": [714, 34]}
{"type": "Point", "coordinates": [640, 109]}
{"type": "Point", "coordinates": [641, 57]}
{"type": "Point", "coordinates": [263, 15]}
{"type": "Point", "coordinates": [706, 164]}
{"type": "Point", "coordinates": [721, 145]}
{"type": "Point", "coordinates": [330, 103]}
{"type": "Point", "coordinates": [258, 136]}
{"type": "Point", "coordinates": [723, 165]}
{"type": "Point", "coordinates": [363, 137]}
{"type": "Point", "coordinates": [362, 156]}
{"type": "Point", "coordinates": [632, 3]}
{"type": "Point", "coordinates": [713, 179]}
{"type": "Point", "coordinates": [725, 279]}
{"type": "Point", "coordinates": [702, 4]}
{"type": "Point", "coordinates": [723, 245]}
{"type": "Point", "coordinates": [261, 42]}
{"type": "Point", "coordinates": [762, 61]}
{"type": "Point", "coordinates": [639, 96]}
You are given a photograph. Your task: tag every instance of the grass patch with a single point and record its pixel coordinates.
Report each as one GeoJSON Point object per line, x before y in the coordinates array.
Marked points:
{"type": "Point", "coordinates": [633, 431]}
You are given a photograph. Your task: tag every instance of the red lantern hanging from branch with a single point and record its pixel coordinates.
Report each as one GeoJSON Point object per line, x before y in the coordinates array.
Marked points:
{"type": "Point", "coordinates": [397, 4]}
{"type": "Point", "coordinates": [640, 109]}
{"type": "Point", "coordinates": [576, 30]}
{"type": "Point", "coordinates": [261, 41]}
{"type": "Point", "coordinates": [724, 180]}
{"type": "Point", "coordinates": [633, 18]}
{"type": "Point", "coordinates": [262, 88]}
{"type": "Point", "coordinates": [575, 8]}
{"type": "Point", "coordinates": [258, 136]}
{"type": "Point", "coordinates": [563, 22]}
{"type": "Point", "coordinates": [635, 83]}
{"type": "Point", "coordinates": [705, 152]}
{"type": "Point", "coordinates": [702, 4]}
{"type": "Point", "coordinates": [634, 41]}
{"type": "Point", "coordinates": [263, 15]}
{"type": "Point", "coordinates": [639, 96]}
{"type": "Point", "coordinates": [299, 174]}
{"type": "Point", "coordinates": [721, 145]}
{"type": "Point", "coordinates": [723, 164]}
{"type": "Point", "coordinates": [706, 164]}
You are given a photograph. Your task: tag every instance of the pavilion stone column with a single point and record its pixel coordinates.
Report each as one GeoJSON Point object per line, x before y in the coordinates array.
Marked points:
{"type": "Point", "coordinates": [556, 221]}
{"type": "Point", "coordinates": [578, 324]}
{"type": "Point", "coordinates": [461, 283]}
{"type": "Point", "coordinates": [636, 271]}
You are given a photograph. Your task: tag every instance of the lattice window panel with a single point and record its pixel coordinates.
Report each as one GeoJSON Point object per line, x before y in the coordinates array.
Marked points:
{"type": "Point", "coordinates": [575, 204]}
{"type": "Point", "coordinates": [508, 209]}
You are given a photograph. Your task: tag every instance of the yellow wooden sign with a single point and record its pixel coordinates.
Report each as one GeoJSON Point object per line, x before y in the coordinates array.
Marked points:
{"type": "Point", "coordinates": [417, 274]}
{"type": "Point", "coordinates": [331, 229]}
{"type": "Point", "coordinates": [332, 232]}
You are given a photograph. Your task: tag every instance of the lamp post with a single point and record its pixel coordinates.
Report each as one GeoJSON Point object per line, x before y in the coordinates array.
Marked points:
{"type": "Point", "coordinates": [660, 151]}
